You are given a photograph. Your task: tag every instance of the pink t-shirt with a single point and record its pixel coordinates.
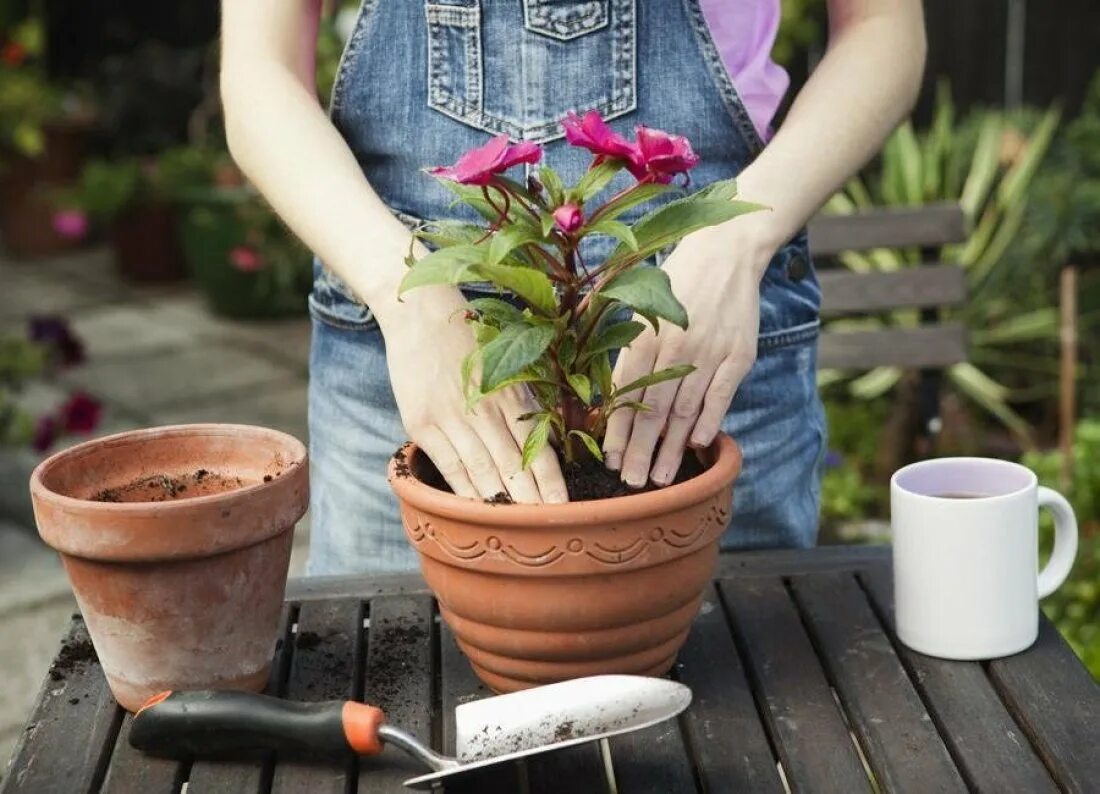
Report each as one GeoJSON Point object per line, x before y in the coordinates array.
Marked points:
{"type": "Point", "coordinates": [744, 33]}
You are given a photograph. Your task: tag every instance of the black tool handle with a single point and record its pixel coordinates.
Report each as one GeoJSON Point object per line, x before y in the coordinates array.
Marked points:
{"type": "Point", "coordinates": [234, 724]}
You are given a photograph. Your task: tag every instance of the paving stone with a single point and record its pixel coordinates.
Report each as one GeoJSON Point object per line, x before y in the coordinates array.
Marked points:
{"type": "Point", "coordinates": [130, 329]}
{"type": "Point", "coordinates": [280, 405]}
{"type": "Point", "coordinates": [191, 376]}
{"type": "Point", "coordinates": [34, 288]}
{"type": "Point", "coordinates": [30, 571]}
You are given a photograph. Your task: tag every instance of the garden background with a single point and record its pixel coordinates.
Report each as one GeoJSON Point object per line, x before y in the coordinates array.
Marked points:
{"type": "Point", "coordinates": [131, 245]}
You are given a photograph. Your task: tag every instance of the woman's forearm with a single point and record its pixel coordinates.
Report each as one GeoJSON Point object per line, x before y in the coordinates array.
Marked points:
{"type": "Point", "coordinates": [285, 143]}
{"type": "Point", "coordinates": [866, 83]}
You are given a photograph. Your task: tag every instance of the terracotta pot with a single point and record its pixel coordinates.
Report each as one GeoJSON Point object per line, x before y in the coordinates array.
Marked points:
{"type": "Point", "coordinates": [184, 593]}
{"type": "Point", "coordinates": [542, 593]}
{"type": "Point", "coordinates": [147, 245]}
{"type": "Point", "coordinates": [26, 205]}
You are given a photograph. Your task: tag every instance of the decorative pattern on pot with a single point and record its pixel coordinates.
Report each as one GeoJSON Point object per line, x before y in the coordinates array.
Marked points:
{"type": "Point", "coordinates": [542, 593]}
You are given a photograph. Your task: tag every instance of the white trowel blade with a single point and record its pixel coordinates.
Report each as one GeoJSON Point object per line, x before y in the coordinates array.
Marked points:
{"type": "Point", "coordinates": [506, 727]}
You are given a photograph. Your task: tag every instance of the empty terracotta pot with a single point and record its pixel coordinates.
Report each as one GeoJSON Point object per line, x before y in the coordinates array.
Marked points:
{"type": "Point", "coordinates": [542, 593]}
{"type": "Point", "coordinates": [176, 541]}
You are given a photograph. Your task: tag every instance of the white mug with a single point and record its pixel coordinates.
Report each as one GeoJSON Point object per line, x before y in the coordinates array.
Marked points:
{"type": "Point", "coordinates": [966, 553]}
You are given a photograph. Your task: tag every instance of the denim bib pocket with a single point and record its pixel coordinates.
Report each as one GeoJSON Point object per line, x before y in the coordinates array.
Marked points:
{"type": "Point", "coordinates": [517, 69]}
{"type": "Point", "coordinates": [332, 302]}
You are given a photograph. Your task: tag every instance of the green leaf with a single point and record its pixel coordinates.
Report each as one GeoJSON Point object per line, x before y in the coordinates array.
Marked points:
{"type": "Point", "coordinates": [677, 219]}
{"type": "Point", "coordinates": [601, 374]}
{"type": "Point", "coordinates": [648, 291]}
{"type": "Point", "coordinates": [467, 371]}
{"type": "Point", "coordinates": [653, 378]}
{"type": "Point", "coordinates": [515, 348]}
{"type": "Point", "coordinates": [724, 189]}
{"type": "Point", "coordinates": [509, 239]}
{"type": "Point", "coordinates": [552, 182]}
{"type": "Point", "coordinates": [484, 333]}
{"type": "Point", "coordinates": [496, 310]}
{"type": "Point", "coordinates": [530, 285]}
{"type": "Point", "coordinates": [536, 440]}
{"type": "Point", "coordinates": [454, 265]}
{"type": "Point", "coordinates": [589, 442]}
{"type": "Point", "coordinates": [446, 233]}
{"type": "Point", "coordinates": [983, 168]}
{"type": "Point", "coordinates": [595, 180]}
{"type": "Point", "coordinates": [637, 196]}
{"type": "Point", "coordinates": [614, 337]}
{"type": "Point", "coordinates": [547, 224]}
{"type": "Point", "coordinates": [620, 231]}
{"type": "Point", "coordinates": [582, 386]}
{"type": "Point", "coordinates": [472, 196]}
{"type": "Point", "coordinates": [567, 350]}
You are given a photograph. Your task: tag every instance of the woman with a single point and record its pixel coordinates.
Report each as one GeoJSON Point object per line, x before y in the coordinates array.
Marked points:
{"type": "Point", "coordinates": [421, 82]}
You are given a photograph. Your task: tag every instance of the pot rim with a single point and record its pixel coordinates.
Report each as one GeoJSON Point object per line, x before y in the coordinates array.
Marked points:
{"type": "Point", "coordinates": [726, 467]}
{"type": "Point", "coordinates": [40, 491]}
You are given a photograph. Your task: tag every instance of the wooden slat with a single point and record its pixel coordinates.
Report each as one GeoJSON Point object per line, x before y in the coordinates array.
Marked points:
{"type": "Point", "coordinates": [69, 737]}
{"type": "Point", "coordinates": [930, 225]}
{"type": "Point", "coordinates": [212, 777]}
{"type": "Point", "coordinates": [897, 735]}
{"type": "Point", "coordinates": [803, 720]}
{"type": "Point", "coordinates": [579, 768]}
{"type": "Point", "coordinates": [459, 685]}
{"type": "Point", "coordinates": [132, 770]}
{"type": "Point", "coordinates": [1057, 703]}
{"type": "Point", "coordinates": [794, 561]}
{"type": "Point", "coordinates": [845, 292]}
{"type": "Point", "coordinates": [928, 346]}
{"type": "Point", "coordinates": [652, 761]}
{"type": "Point", "coordinates": [728, 741]}
{"type": "Point", "coordinates": [324, 665]}
{"type": "Point", "coordinates": [322, 588]}
{"type": "Point", "coordinates": [398, 679]}
{"type": "Point", "coordinates": [989, 748]}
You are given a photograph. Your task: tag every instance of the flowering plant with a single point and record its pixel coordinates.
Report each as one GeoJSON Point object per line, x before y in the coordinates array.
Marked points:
{"type": "Point", "coordinates": [557, 341]}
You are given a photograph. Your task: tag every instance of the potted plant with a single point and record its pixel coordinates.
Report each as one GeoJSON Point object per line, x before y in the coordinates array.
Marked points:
{"type": "Point", "coordinates": [238, 252]}
{"type": "Point", "coordinates": [176, 541]}
{"type": "Point", "coordinates": [42, 135]}
{"type": "Point", "coordinates": [131, 198]}
{"type": "Point", "coordinates": [539, 593]}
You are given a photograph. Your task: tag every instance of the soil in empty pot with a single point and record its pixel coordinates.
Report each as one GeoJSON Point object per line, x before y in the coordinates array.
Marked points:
{"type": "Point", "coordinates": [586, 481]}
{"type": "Point", "coordinates": [172, 487]}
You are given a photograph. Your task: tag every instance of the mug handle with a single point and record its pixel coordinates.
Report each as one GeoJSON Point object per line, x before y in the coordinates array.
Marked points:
{"type": "Point", "coordinates": [1065, 541]}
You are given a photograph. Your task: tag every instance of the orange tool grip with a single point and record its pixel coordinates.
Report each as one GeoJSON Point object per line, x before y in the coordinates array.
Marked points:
{"type": "Point", "coordinates": [361, 724]}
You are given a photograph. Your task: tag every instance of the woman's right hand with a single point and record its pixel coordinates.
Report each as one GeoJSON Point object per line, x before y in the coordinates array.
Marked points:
{"type": "Point", "coordinates": [477, 450]}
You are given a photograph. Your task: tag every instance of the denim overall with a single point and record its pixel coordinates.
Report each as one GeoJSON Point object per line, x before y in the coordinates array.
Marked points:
{"type": "Point", "coordinates": [422, 82]}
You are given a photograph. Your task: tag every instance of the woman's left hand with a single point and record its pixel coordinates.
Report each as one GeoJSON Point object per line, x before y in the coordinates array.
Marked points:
{"type": "Point", "coordinates": [715, 274]}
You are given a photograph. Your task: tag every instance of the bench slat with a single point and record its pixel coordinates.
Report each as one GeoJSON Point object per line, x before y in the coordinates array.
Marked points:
{"type": "Point", "coordinates": [930, 225]}
{"type": "Point", "coordinates": [930, 346]}
{"type": "Point", "coordinates": [845, 292]}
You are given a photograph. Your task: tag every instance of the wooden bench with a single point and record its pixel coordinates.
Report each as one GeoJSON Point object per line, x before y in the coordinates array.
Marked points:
{"type": "Point", "coordinates": [929, 287]}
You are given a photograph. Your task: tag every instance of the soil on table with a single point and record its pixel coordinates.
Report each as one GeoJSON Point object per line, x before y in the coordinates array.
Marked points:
{"type": "Point", "coordinates": [173, 487]}
{"type": "Point", "coordinates": [585, 481]}
{"type": "Point", "coordinates": [73, 656]}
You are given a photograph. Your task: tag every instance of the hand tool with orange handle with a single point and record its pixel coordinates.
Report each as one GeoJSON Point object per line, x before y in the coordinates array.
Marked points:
{"type": "Point", "coordinates": [489, 731]}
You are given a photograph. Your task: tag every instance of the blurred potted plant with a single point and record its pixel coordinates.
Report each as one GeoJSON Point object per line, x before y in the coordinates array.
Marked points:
{"type": "Point", "coordinates": [238, 252]}
{"type": "Point", "coordinates": [42, 135]}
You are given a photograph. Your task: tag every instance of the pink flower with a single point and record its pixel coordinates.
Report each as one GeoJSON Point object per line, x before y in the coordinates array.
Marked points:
{"type": "Point", "coordinates": [246, 260]}
{"type": "Point", "coordinates": [479, 166]}
{"type": "Point", "coordinates": [70, 224]}
{"type": "Point", "coordinates": [45, 433]}
{"type": "Point", "coordinates": [568, 218]}
{"type": "Point", "coordinates": [80, 413]}
{"type": "Point", "coordinates": [591, 132]}
{"type": "Point", "coordinates": [664, 155]}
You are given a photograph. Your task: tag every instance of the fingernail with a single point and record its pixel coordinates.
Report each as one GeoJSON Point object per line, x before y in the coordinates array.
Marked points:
{"type": "Point", "coordinates": [697, 443]}
{"type": "Point", "coordinates": [661, 477]}
{"type": "Point", "coordinates": [634, 482]}
{"type": "Point", "coordinates": [613, 460]}
{"type": "Point", "coordinates": [556, 497]}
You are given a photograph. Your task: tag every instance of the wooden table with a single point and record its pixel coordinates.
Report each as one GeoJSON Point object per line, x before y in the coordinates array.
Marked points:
{"type": "Point", "coordinates": [797, 679]}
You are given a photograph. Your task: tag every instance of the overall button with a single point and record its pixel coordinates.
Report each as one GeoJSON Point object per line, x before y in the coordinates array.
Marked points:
{"type": "Point", "coordinates": [798, 267]}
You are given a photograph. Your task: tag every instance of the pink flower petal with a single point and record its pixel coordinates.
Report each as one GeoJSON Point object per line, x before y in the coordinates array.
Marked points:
{"type": "Point", "coordinates": [568, 218]}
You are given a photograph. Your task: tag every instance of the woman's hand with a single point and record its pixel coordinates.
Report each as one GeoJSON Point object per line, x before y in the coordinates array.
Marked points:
{"type": "Point", "coordinates": [477, 450]}
{"type": "Point", "coordinates": [716, 275]}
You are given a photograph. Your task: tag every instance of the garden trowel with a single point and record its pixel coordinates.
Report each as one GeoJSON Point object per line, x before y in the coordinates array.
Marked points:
{"type": "Point", "coordinates": [488, 731]}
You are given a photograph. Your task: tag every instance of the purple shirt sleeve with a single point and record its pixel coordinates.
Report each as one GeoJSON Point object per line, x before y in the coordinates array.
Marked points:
{"type": "Point", "coordinates": [744, 33]}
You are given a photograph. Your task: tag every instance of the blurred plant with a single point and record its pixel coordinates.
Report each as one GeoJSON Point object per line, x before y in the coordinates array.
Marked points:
{"type": "Point", "coordinates": [1075, 607]}
{"type": "Point", "coordinates": [801, 29]}
{"type": "Point", "coordinates": [987, 163]}
{"type": "Point", "coordinates": [27, 100]}
{"type": "Point", "coordinates": [49, 345]}
{"type": "Point", "coordinates": [848, 492]}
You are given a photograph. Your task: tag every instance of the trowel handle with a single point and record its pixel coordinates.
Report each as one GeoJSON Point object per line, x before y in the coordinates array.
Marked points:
{"type": "Point", "coordinates": [228, 724]}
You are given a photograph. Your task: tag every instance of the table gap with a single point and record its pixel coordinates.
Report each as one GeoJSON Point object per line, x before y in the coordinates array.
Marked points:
{"type": "Point", "coordinates": [918, 685]}
{"type": "Point", "coordinates": [436, 680]}
{"type": "Point", "coordinates": [685, 737]}
{"type": "Point", "coordinates": [114, 733]}
{"type": "Point", "coordinates": [755, 687]}
{"type": "Point", "coordinates": [841, 706]}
